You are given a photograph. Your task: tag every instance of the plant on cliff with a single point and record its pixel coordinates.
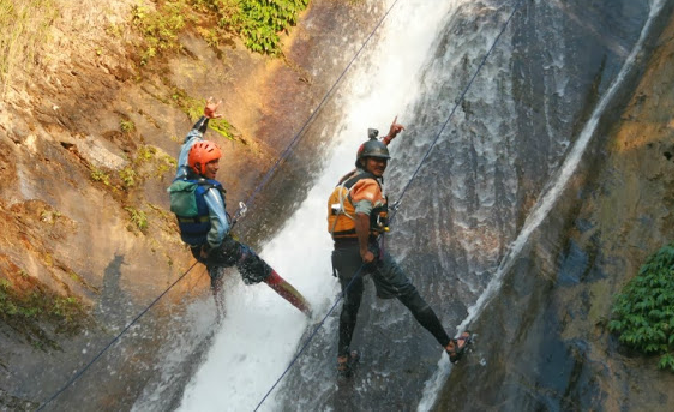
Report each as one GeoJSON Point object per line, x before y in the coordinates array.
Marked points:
{"type": "Point", "coordinates": [32, 310]}
{"type": "Point", "coordinates": [262, 20]}
{"type": "Point", "coordinates": [644, 311]}
{"type": "Point", "coordinates": [194, 109]}
{"type": "Point", "coordinates": [160, 28]}
{"type": "Point", "coordinates": [259, 22]}
{"type": "Point", "coordinates": [24, 25]}
{"type": "Point", "coordinates": [138, 218]}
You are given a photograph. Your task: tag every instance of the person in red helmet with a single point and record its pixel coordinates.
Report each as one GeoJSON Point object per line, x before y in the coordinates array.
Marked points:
{"type": "Point", "coordinates": [199, 203]}
{"type": "Point", "coordinates": [357, 220]}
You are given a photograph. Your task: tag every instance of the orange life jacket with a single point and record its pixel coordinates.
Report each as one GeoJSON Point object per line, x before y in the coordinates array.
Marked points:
{"type": "Point", "coordinates": [341, 211]}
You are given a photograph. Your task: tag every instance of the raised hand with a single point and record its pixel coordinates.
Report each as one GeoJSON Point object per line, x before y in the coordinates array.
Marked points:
{"type": "Point", "coordinates": [395, 128]}
{"type": "Point", "coordinates": [393, 131]}
{"type": "Point", "coordinates": [210, 111]}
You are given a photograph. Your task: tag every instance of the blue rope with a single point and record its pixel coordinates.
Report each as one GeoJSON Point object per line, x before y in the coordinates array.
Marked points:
{"type": "Point", "coordinates": [451, 114]}
{"type": "Point", "coordinates": [306, 342]}
{"type": "Point", "coordinates": [290, 147]}
{"type": "Point", "coordinates": [463, 94]}
{"type": "Point", "coordinates": [112, 342]}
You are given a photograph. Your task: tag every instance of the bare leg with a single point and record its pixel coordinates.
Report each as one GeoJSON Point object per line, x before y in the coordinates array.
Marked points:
{"type": "Point", "coordinates": [216, 274]}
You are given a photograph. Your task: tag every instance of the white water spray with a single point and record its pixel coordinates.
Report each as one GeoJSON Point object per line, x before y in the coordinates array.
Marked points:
{"type": "Point", "coordinates": [540, 211]}
{"type": "Point", "coordinates": [261, 332]}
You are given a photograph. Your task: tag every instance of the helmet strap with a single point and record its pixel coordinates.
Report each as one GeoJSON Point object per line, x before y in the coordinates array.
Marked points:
{"type": "Point", "coordinates": [362, 162]}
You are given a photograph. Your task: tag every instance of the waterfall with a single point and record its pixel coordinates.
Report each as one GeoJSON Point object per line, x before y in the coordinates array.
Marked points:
{"type": "Point", "coordinates": [261, 332]}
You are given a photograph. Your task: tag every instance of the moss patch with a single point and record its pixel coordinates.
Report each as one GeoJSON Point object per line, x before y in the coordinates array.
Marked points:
{"type": "Point", "coordinates": [34, 311]}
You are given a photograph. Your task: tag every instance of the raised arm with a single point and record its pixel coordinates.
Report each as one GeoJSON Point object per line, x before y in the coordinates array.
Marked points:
{"type": "Point", "coordinates": [393, 131]}
{"type": "Point", "coordinates": [196, 134]}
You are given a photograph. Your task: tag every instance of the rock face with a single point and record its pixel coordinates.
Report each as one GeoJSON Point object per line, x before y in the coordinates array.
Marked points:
{"type": "Point", "coordinates": [544, 342]}
{"type": "Point", "coordinates": [86, 140]}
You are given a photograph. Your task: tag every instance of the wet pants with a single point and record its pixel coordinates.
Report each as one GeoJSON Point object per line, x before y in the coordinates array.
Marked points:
{"type": "Point", "coordinates": [390, 282]}
{"type": "Point", "coordinates": [234, 253]}
{"type": "Point", "coordinates": [252, 269]}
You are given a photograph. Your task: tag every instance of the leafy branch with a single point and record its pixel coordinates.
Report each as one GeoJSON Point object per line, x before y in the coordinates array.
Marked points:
{"type": "Point", "coordinates": [644, 311]}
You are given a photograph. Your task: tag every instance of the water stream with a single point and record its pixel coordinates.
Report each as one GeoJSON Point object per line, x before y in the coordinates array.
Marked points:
{"type": "Point", "coordinates": [261, 332]}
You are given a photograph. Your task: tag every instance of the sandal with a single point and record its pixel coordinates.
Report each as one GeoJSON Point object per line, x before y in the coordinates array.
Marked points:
{"type": "Point", "coordinates": [456, 346]}
{"type": "Point", "coordinates": [346, 363]}
{"type": "Point", "coordinates": [343, 363]}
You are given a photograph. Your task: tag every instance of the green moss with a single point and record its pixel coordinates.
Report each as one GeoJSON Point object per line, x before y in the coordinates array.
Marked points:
{"type": "Point", "coordinates": [262, 20]}
{"type": "Point", "coordinates": [126, 126]}
{"type": "Point", "coordinates": [129, 177]}
{"type": "Point", "coordinates": [24, 25]}
{"type": "Point", "coordinates": [100, 176]}
{"type": "Point", "coordinates": [29, 312]}
{"type": "Point", "coordinates": [194, 109]}
{"type": "Point", "coordinates": [160, 28]}
{"type": "Point", "coordinates": [138, 218]}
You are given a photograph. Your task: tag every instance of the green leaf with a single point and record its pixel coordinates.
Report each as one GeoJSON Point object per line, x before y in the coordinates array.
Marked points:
{"type": "Point", "coordinates": [615, 325]}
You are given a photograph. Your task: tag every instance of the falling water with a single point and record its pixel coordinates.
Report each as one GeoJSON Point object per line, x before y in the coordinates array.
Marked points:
{"type": "Point", "coordinates": [261, 332]}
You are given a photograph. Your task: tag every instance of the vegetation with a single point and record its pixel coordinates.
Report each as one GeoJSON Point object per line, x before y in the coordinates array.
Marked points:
{"type": "Point", "coordinates": [126, 126]}
{"type": "Point", "coordinates": [24, 24]}
{"type": "Point", "coordinates": [194, 109]}
{"type": "Point", "coordinates": [644, 312]}
{"type": "Point", "coordinates": [138, 218]}
{"type": "Point", "coordinates": [25, 309]}
{"type": "Point", "coordinates": [148, 162]}
{"type": "Point", "coordinates": [258, 22]}
{"type": "Point", "coordinates": [263, 20]}
{"type": "Point", "coordinates": [159, 162]}
{"type": "Point", "coordinates": [160, 28]}
{"type": "Point", "coordinates": [98, 175]}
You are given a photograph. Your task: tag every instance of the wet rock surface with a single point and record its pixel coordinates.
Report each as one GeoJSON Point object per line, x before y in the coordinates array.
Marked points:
{"type": "Point", "coordinates": [544, 339]}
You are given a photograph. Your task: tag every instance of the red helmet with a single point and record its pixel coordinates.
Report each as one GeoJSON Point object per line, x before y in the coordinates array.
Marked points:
{"type": "Point", "coordinates": [202, 152]}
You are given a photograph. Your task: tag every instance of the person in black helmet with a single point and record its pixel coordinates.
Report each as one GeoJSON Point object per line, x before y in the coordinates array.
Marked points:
{"type": "Point", "coordinates": [357, 218]}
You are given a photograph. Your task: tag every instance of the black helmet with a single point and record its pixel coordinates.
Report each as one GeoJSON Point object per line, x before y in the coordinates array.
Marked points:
{"type": "Point", "coordinates": [372, 148]}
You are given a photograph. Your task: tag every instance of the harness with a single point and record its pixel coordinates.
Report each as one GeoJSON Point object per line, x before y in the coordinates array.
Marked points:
{"type": "Point", "coordinates": [341, 213]}
{"type": "Point", "coordinates": [187, 202]}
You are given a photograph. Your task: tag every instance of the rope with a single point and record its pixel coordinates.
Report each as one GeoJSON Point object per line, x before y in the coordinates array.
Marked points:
{"type": "Point", "coordinates": [395, 206]}
{"type": "Point", "coordinates": [306, 342]}
{"type": "Point", "coordinates": [290, 147]}
{"type": "Point", "coordinates": [112, 342]}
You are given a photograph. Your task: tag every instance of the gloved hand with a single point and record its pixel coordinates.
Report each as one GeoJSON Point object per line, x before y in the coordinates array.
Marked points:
{"type": "Point", "coordinates": [227, 254]}
{"type": "Point", "coordinates": [201, 253]}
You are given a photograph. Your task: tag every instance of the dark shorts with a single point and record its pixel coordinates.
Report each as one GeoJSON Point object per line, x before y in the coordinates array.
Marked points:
{"type": "Point", "coordinates": [234, 253]}
{"type": "Point", "coordinates": [389, 279]}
